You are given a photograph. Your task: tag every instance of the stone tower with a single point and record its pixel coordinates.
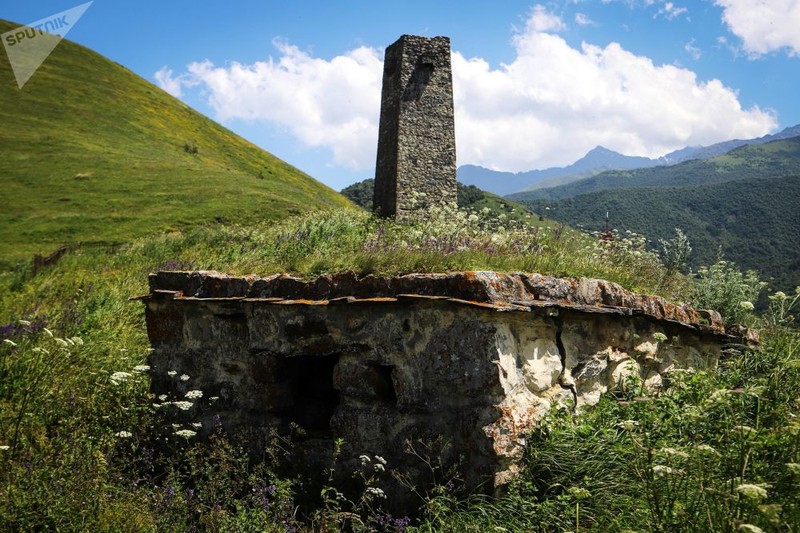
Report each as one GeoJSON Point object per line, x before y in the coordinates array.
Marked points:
{"type": "Point", "coordinates": [416, 164]}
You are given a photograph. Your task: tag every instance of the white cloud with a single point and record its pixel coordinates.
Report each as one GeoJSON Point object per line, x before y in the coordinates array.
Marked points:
{"type": "Point", "coordinates": [553, 103]}
{"type": "Point", "coordinates": [581, 19]}
{"type": "Point", "coordinates": [671, 11]}
{"type": "Point", "coordinates": [549, 106]}
{"type": "Point", "coordinates": [543, 20]}
{"type": "Point", "coordinates": [322, 103]}
{"type": "Point", "coordinates": [764, 26]}
{"type": "Point", "coordinates": [692, 50]}
{"type": "Point", "coordinates": [168, 83]}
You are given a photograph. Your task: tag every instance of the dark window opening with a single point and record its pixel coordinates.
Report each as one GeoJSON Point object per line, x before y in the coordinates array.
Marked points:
{"type": "Point", "coordinates": [382, 385]}
{"type": "Point", "coordinates": [311, 397]}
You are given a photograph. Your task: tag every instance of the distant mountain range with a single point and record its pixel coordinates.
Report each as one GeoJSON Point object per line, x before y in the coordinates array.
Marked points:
{"type": "Point", "coordinates": [598, 160]}
{"type": "Point", "coordinates": [744, 203]}
{"type": "Point", "coordinates": [776, 158]}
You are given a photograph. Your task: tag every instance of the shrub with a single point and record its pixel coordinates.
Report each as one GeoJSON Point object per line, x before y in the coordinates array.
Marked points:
{"type": "Point", "coordinates": [675, 252]}
{"type": "Point", "coordinates": [190, 147]}
{"type": "Point", "coordinates": [724, 288]}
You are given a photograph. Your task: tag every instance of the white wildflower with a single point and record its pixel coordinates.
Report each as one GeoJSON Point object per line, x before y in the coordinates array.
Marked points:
{"type": "Point", "coordinates": [77, 340]}
{"type": "Point", "coordinates": [194, 394]}
{"type": "Point", "coordinates": [794, 468]}
{"type": "Point", "coordinates": [705, 448]}
{"type": "Point", "coordinates": [747, 306]}
{"type": "Point", "coordinates": [719, 395]}
{"type": "Point", "coordinates": [141, 368]}
{"type": "Point", "coordinates": [751, 528]}
{"type": "Point", "coordinates": [50, 333]}
{"type": "Point", "coordinates": [124, 434]}
{"type": "Point", "coordinates": [9, 342]}
{"type": "Point", "coordinates": [660, 337]}
{"type": "Point", "coordinates": [5, 447]}
{"type": "Point", "coordinates": [628, 424]}
{"type": "Point", "coordinates": [780, 295]}
{"type": "Point", "coordinates": [186, 433]}
{"type": "Point", "coordinates": [380, 459]}
{"type": "Point", "coordinates": [183, 406]}
{"type": "Point", "coordinates": [675, 452]}
{"type": "Point", "coordinates": [662, 470]}
{"type": "Point", "coordinates": [118, 377]}
{"type": "Point", "coordinates": [184, 377]}
{"type": "Point", "coordinates": [364, 459]}
{"type": "Point", "coordinates": [162, 397]}
{"type": "Point", "coordinates": [175, 426]}
{"type": "Point", "coordinates": [197, 425]}
{"type": "Point", "coordinates": [379, 467]}
{"type": "Point", "coordinates": [28, 322]}
{"type": "Point", "coordinates": [579, 493]}
{"type": "Point", "coordinates": [172, 373]}
{"type": "Point", "coordinates": [62, 342]}
{"type": "Point", "coordinates": [744, 430]}
{"type": "Point", "coordinates": [213, 399]}
{"type": "Point", "coordinates": [753, 492]}
{"type": "Point", "coordinates": [156, 406]}
{"type": "Point", "coordinates": [375, 491]}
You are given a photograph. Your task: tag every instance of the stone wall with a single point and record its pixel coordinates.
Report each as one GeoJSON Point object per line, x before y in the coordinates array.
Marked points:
{"type": "Point", "coordinates": [469, 361]}
{"type": "Point", "coordinates": [416, 164]}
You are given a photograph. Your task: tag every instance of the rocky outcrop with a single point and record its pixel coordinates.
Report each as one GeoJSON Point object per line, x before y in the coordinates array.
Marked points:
{"type": "Point", "coordinates": [469, 360]}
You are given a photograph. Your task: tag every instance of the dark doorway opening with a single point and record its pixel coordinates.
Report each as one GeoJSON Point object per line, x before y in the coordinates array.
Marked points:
{"type": "Point", "coordinates": [311, 398]}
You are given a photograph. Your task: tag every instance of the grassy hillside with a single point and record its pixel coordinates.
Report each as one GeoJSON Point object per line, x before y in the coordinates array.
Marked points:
{"type": "Point", "coordinates": [753, 221]}
{"type": "Point", "coordinates": [774, 159]}
{"type": "Point", "coordinates": [93, 153]}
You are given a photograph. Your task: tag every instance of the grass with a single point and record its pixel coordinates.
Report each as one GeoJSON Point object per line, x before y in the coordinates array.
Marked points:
{"type": "Point", "coordinates": [94, 153]}
{"type": "Point", "coordinates": [74, 430]}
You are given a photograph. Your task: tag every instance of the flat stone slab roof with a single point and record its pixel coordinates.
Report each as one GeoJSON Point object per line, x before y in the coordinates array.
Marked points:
{"type": "Point", "coordinates": [500, 291]}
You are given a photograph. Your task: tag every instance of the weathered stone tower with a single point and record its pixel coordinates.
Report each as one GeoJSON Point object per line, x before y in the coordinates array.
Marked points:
{"type": "Point", "coordinates": [416, 164]}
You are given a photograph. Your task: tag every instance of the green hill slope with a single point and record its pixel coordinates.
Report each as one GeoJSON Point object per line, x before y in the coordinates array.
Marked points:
{"type": "Point", "coordinates": [774, 159]}
{"type": "Point", "coordinates": [91, 152]}
{"type": "Point", "coordinates": [753, 221]}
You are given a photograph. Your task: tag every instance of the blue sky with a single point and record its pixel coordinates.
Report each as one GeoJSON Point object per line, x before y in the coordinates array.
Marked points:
{"type": "Point", "coordinates": [537, 84]}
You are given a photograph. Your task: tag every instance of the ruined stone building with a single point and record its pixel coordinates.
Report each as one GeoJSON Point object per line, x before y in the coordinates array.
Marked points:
{"type": "Point", "coordinates": [469, 360]}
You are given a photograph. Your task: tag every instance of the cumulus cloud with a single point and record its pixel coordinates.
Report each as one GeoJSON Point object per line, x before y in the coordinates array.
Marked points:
{"type": "Point", "coordinates": [324, 103]}
{"type": "Point", "coordinates": [168, 83]}
{"type": "Point", "coordinates": [543, 20]}
{"type": "Point", "coordinates": [582, 19]}
{"type": "Point", "coordinates": [554, 102]}
{"type": "Point", "coordinates": [549, 106]}
{"type": "Point", "coordinates": [764, 26]}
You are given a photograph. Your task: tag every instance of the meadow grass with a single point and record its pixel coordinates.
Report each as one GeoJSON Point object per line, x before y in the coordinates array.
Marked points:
{"type": "Point", "coordinates": [83, 447]}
